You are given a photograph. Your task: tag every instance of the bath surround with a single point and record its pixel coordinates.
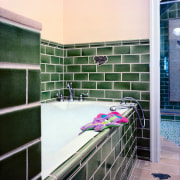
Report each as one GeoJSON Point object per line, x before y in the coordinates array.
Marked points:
{"type": "Point", "coordinates": [109, 154]}
{"type": "Point", "coordinates": [126, 73]}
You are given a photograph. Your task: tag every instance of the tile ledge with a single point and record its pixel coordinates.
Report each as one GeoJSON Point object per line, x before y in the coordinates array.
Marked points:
{"type": "Point", "coordinates": [6, 14]}
{"type": "Point", "coordinates": [20, 107]}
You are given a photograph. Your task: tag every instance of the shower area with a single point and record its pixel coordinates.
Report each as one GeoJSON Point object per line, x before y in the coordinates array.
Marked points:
{"type": "Point", "coordinates": [170, 70]}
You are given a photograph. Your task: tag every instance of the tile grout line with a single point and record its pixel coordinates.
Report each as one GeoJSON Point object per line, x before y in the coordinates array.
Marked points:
{"type": "Point", "coordinates": [19, 149]}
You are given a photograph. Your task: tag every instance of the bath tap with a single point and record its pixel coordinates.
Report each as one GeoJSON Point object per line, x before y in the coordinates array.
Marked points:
{"type": "Point", "coordinates": [81, 96]}
{"type": "Point", "coordinates": [69, 86]}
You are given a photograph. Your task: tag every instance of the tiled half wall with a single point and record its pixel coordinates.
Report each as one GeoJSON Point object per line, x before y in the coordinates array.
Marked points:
{"type": "Point", "coordinates": [126, 73]}
{"type": "Point", "coordinates": [20, 113]}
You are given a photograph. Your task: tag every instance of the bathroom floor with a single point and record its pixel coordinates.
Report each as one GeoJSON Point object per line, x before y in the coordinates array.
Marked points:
{"type": "Point", "coordinates": [169, 163]}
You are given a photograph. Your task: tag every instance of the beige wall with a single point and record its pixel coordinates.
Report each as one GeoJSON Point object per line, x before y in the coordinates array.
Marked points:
{"type": "Point", "coordinates": [49, 13]}
{"type": "Point", "coordinates": [79, 21]}
{"type": "Point", "coordinates": [105, 20]}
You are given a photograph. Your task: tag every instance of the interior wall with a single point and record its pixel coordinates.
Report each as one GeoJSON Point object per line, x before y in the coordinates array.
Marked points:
{"type": "Point", "coordinates": [49, 13]}
{"type": "Point", "coordinates": [105, 20]}
{"type": "Point", "coordinates": [82, 21]}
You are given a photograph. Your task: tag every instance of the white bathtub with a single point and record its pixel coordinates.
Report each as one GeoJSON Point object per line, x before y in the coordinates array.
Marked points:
{"type": "Point", "coordinates": [60, 125]}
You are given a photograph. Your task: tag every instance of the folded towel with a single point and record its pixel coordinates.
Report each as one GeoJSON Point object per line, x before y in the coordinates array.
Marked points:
{"type": "Point", "coordinates": [103, 121]}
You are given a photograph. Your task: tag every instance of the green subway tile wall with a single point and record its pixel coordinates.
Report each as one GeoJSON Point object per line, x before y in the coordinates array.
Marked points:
{"type": "Point", "coordinates": [52, 70]}
{"type": "Point", "coordinates": [126, 73]}
{"type": "Point", "coordinates": [20, 112]}
{"type": "Point", "coordinates": [110, 156]}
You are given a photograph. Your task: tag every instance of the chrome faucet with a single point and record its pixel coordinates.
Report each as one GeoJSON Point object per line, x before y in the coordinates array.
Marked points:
{"type": "Point", "coordinates": [69, 86]}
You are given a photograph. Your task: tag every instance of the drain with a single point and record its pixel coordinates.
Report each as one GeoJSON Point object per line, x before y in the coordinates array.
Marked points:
{"type": "Point", "coordinates": [161, 176]}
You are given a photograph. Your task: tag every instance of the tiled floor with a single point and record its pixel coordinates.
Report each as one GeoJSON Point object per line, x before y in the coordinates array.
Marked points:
{"type": "Point", "coordinates": [169, 163]}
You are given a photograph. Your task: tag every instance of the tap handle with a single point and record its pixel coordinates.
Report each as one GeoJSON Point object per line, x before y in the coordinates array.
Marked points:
{"type": "Point", "coordinates": [81, 96]}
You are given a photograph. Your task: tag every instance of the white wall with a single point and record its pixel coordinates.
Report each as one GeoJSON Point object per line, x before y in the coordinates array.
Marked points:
{"type": "Point", "coordinates": [80, 21]}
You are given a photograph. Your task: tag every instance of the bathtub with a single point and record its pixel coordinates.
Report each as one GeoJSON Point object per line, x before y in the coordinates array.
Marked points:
{"type": "Point", "coordinates": [60, 126]}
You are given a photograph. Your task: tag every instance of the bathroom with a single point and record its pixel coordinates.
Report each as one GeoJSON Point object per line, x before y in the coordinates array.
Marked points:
{"type": "Point", "coordinates": [72, 33]}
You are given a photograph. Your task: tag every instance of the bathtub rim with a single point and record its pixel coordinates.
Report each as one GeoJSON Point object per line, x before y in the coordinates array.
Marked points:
{"type": "Point", "coordinates": [65, 168]}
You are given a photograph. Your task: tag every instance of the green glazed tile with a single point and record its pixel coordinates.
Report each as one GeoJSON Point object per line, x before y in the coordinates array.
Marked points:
{"type": "Point", "coordinates": [88, 68]}
{"type": "Point", "coordinates": [8, 167]}
{"type": "Point", "coordinates": [43, 86]}
{"type": "Point", "coordinates": [68, 60]}
{"type": "Point", "coordinates": [96, 76]}
{"type": "Point", "coordinates": [54, 60]}
{"type": "Point", "coordinates": [34, 160]}
{"type": "Point", "coordinates": [93, 163]}
{"type": "Point", "coordinates": [106, 149]}
{"type": "Point", "coordinates": [144, 104]}
{"type": "Point", "coordinates": [45, 77]}
{"type": "Point", "coordinates": [33, 86]}
{"type": "Point", "coordinates": [122, 85]}
{"type": "Point", "coordinates": [27, 121]}
{"type": "Point", "coordinates": [130, 42]}
{"type": "Point", "coordinates": [59, 52]}
{"type": "Point", "coordinates": [50, 68]}
{"type": "Point", "coordinates": [104, 68]}
{"type": "Point", "coordinates": [144, 41]}
{"type": "Point", "coordinates": [50, 86]}
{"type": "Point", "coordinates": [44, 41]}
{"type": "Point", "coordinates": [80, 76]}
{"type": "Point", "coordinates": [81, 60]}
{"type": "Point", "coordinates": [14, 47]}
{"type": "Point", "coordinates": [122, 68]}
{"type": "Point", "coordinates": [96, 93]}
{"type": "Point", "coordinates": [58, 85]}
{"type": "Point", "coordinates": [68, 76]}
{"type": "Point", "coordinates": [145, 77]}
{"type": "Point", "coordinates": [143, 142]}
{"type": "Point", "coordinates": [59, 68]}
{"type": "Point", "coordinates": [113, 43]}
{"type": "Point", "coordinates": [110, 160]}
{"type": "Point", "coordinates": [12, 88]}
{"type": "Point", "coordinates": [100, 173]}
{"type": "Point", "coordinates": [142, 86]}
{"type": "Point", "coordinates": [113, 94]}
{"type": "Point", "coordinates": [53, 44]}
{"type": "Point", "coordinates": [45, 58]}
{"type": "Point", "coordinates": [130, 76]}
{"type": "Point", "coordinates": [104, 51]}
{"type": "Point", "coordinates": [73, 68]}
{"type": "Point", "coordinates": [80, 174]}
{"type": "Point", "coordinates": [114, 59]}
{"type": "Point", "coordinates": [45, 96]}
{"type": "Point", "coordinates": [145, 58]}
{"type": "Point", "coordinates": [42, 67]}
{"type": "Point", "coordinates": [69, 46]}
{"type": "Point", "coordinates": [89, 52]}
{"type": "Point", "coordinates": [172, 14]}
{"type": "Point", "coordinates": [49, 50]}
{"type": "Point", "coordinates": [130, 58]}
{"type": "Point", "coordinates": [96, 44]}
{"type": "Point", "coordinates": [89, 85]}
{"type": "Point", "coordinates": [112, 77]}
{"type": "Point", "coordinates": [77, 84]}
{"type": "Point", "coordinates": [122, 50]}
{"type": "Point", "coordinates": [140, 67]}
{"type": "Point", "coordinates": [140, 49]}
{"type": "Point", "coordinates": [83, 45]}
{"type": "Point", "coordinates": [54, 93]}
{"type": "Point", "coordinates": [43, 49]}
{"type": "Point", "coordinates": [104, 85]}
{"type": "Point", "coordinates": [74, 52]}
{"type": "Point", "coordinates": [61, 60]}
{"type": "Point", "coordinates": [134, 94]}
{"type": "Point", "coordinates": [55, 77]}
{"type": "Point", "coordinates": [145, 95]}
